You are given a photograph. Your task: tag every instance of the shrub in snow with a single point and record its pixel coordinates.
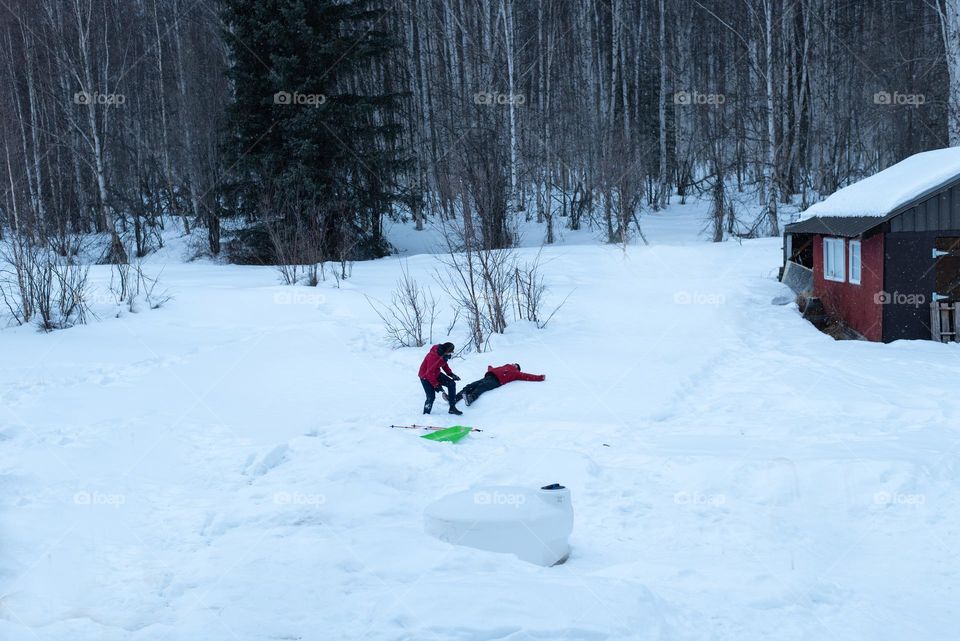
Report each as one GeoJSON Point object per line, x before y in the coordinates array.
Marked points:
{"type": "Point", "coordinates": [478, 280]}
{"type": "Point", "coordinates": [132, 287]}
{"type": "Point", "coordinates": [38, 284]}
{"type": "Point", "coordinates": [530, 292]}
{"type": "Point", "coordinates": [409, 318]}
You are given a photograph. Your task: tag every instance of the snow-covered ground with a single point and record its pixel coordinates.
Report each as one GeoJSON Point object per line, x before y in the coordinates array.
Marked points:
{"type": "Point", "coordinates": [221, 468]}
{"type": "Point", "coordinates": [676, 225]}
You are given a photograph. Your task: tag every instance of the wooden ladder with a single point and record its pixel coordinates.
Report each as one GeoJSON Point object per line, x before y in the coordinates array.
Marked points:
{"type": "Point", "coordinates": [943, 321]}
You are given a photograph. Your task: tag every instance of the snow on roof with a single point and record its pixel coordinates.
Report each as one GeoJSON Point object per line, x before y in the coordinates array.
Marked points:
{"type": "Point", "coordinates": [896, 185]}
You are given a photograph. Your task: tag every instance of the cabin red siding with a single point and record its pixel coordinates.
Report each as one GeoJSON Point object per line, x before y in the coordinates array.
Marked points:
{"type": "Point", "coordinates": [859, 306]}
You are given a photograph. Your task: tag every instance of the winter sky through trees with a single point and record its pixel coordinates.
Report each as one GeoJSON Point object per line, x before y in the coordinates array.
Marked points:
{"type": "Point", "coordinates": [333, 116]}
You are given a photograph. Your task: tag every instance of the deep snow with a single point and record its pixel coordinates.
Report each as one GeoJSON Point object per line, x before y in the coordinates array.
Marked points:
{"type": "Point", "coordinates": [221, 468]}
{"type": "Point", "coordinates": [884, 191]}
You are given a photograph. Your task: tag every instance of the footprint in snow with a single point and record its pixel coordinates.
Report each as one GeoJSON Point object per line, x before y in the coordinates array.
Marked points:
{"type": "Point", "coordinates": [272, 459]}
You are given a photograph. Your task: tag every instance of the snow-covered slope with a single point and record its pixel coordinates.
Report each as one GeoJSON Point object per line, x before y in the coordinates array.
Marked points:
{"type": "Point", "coordinates": [886, 190]}
{"type": "Point", "coordinates": [221, 468]}
{"type": "Point", "coordinates": [676, 225]}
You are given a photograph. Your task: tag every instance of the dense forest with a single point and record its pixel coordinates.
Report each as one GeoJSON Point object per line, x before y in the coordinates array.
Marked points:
{"type": "Point", "coordinates": [304, 124]}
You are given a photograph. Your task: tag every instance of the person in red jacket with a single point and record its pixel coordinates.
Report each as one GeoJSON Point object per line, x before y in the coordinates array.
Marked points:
{"type": "Point", "coordinates": [434, 380]}
{"type": "Point", "coordinates": [494, 378]}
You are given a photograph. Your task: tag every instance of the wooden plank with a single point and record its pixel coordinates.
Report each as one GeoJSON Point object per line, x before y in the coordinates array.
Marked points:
{"type": "Point", "coordinates": [935, 321]}
{"type": "Point", "coordinates": [955, 207]}
{"type": "Point", "coordinates": [932, 219]}
{"type": "Point", "coordinates": [908, 219]}
{"type": "Point", "coordinates": [954, 309]}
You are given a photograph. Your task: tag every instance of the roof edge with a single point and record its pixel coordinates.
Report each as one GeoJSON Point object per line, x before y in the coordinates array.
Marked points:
{"type": "Point", "coordinates": [846, 226]}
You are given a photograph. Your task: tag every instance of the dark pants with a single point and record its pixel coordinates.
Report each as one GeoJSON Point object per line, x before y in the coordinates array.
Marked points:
{"type": "Point", "coordinates": [447, 382]}
{"type": "Point", "coordinates": [485, 384]}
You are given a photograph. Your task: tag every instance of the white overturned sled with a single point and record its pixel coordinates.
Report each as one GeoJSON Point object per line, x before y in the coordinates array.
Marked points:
{"type": "Point", "coordinates": [535, 525]}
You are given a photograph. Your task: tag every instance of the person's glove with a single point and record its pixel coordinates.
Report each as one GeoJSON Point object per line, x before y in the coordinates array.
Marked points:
{"type": "Point", "coordinates": [455, 377]}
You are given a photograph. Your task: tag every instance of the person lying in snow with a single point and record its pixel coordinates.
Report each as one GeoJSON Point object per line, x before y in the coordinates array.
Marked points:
{"type": "Point", "coordinates": [494, 378]}
{"type": "Point", "coordinates": [434, 380]}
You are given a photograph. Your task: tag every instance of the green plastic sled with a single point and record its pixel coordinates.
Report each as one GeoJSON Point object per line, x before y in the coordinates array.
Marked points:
{"type": "Point", "coordinates": [451, 434]}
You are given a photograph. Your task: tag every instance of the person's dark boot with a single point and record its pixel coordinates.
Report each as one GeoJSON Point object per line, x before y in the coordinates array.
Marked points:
{"type": "Point", "coordinates": [454, 410]}
{"type": "Point", "coordinates": [469, 399]}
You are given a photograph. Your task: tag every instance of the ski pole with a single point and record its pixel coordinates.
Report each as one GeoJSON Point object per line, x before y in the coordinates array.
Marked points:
{"type": "Point", "coordinates": [430, 427]}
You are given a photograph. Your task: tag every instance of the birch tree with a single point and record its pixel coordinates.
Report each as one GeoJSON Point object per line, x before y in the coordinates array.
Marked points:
{"type": "Point", "coordinates": [949, 15]}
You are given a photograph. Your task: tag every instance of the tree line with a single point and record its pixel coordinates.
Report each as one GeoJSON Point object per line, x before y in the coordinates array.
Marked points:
{"type": "Point", "coordinates": [294, 129]}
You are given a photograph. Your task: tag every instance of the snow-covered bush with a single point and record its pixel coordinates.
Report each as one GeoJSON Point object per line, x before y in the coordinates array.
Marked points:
{"type": "Point", "coordinates": [530, 292]}
{"type": "Point", "coordinates": [478, 283]}
{"type": "Point", "coordinates": [489, 287]}
{"type": "Point", "coordinates": [131, 287]}
{"type": "Point", "coordinates": [38, 284]}
{"type": "Point", "coordinates": [297, 249]}
{"type": "Point", "coordinates": [410, 316]}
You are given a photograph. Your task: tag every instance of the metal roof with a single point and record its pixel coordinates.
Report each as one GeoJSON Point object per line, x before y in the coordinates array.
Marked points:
{"type": "Point", "coordinates": [847, 226]}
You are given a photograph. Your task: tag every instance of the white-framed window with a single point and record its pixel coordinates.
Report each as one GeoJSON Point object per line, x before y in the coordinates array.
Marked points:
{"type": "Point", "coordinates": [834, 260]}
{"type": "Point", "coordinates": [855, 262]}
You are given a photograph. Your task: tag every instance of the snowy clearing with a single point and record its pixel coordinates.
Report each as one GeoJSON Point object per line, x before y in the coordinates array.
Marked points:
{"type": "Point", "coordinates": [221, 468]}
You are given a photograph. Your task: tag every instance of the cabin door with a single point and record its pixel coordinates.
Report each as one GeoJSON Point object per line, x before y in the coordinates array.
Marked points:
{"type": "Point", "coordinates": [947, 268]}
{"type": "Point", "coordinates": [946, 297]}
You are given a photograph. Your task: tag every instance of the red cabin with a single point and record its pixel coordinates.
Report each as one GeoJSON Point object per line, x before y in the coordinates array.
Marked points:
{"type": "Point", "coordinates": [882, 256]}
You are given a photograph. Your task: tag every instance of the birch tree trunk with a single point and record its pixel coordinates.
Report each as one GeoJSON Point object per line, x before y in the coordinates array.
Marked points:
{"type": "Point", "coordinates": [506, 9]}
{"type": "Point", "coordinates": [950, 28]}
{"type": "Point", "coordinates": [663, 190]}
{"type": "Point", "coordinates": [770, 166]}
{"type": "Point", "coordinates": [191, 171]}
{"type": "Point", "coordinates": [172, 196]}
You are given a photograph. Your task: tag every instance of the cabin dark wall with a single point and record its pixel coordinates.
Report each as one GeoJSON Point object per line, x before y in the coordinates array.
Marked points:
{"type": "Point", "coordinates": [909, 282]}
{"type": "Point", "coordinates": [940, 211]}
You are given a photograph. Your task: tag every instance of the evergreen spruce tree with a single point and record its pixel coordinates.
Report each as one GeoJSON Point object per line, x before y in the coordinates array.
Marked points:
{"type": "Point", "coordinates": [315, 121]}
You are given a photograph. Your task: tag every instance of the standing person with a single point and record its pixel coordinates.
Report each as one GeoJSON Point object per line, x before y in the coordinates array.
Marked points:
{"type": "Point", "coordinates": [434, 380]}
{"type": "Point", "coordinates": [494, 378]}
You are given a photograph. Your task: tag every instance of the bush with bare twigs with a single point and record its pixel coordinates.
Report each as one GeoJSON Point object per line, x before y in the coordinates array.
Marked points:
{"type": "Point", "coordinates": [530, 290]}
{"type": "Point", "coordinates": [478, 282]}
{"type": "Point", "coordinates": [298, 250]}
{"type": "Point", "coordinates": [131, 286]}
{"type": "Point", "coordinates": [410, 316]}
{"type": "Point", "coordinates": [39, 285]}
